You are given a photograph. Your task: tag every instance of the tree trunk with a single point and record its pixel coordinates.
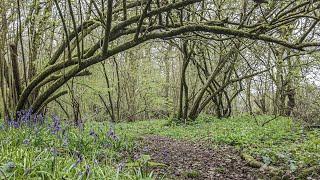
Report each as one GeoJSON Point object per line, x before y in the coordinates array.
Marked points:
{"type": "Point", "coordinates": [15, 72]}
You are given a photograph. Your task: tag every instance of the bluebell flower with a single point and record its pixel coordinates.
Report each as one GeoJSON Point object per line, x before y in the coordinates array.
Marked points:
{"type": "Point", "coordinates": [79, 160]}
{"type": "Point", "coordinates": [87, 172]}
{"type": "Point", "coordinates": [26, 141]}
{"type": "Point", "coordinates": [15, 124]}
{"type": "Point", "coordinates": [10, 166]}
{"type": "Point", "coordinates": [24, 116]}
{"type": "Point", "coordinates": [9, 123]}
{"type": "Point", "coordinates": [40, 118]}
{"type": "Point", "coordinates": [111, 134]}
{"type": "Point", "coordinates": [56, 126]}
{"type": "Point", "coordinates": [93, 134]}
{"type": "Point", "coordinates": [120, 166]}
{"type": "Point", "coordinates": [78, 155]}
{"type": "Point", "coordinates": [80, 125]}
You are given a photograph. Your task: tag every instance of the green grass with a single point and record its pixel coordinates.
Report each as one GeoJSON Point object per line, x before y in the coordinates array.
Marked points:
{"type": "Point", "coordinates": [37, 153]}
{"type": "Point", "coordinates": [32, 153]}
{"type": "Point", "coordinates": [282, 142]}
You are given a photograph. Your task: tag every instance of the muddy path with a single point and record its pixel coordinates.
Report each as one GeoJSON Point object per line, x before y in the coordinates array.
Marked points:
{"type": "Point", "coordinates": [196, 160]}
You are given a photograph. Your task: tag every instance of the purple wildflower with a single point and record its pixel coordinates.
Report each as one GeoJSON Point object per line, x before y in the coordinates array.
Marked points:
{"type": "Point", "coordinates": [111, 134]}
{"type": "Point", "coordinates": [79, 160]}
{"type": "Point", "coordinates": [24, 116]}
{"type": "Point", "coordinates": [38, 119]}
{"type": "Point", "coordinates": [26, 141]}
{"type": "Point", "coordinates": [87, 172]}
{"type": "Point", "coordinates": [10, 166]}
{"type": "Point", "coordinates": [15, 124]}
{"type": "Point", "coordinates": [78, 155]}
{"type": "Point", "coordinates": [56, 126]}
{"type": "Point", "coordinates": [93, 134]}
{"type": "Point", "coordinates": [35, 119]}
{"type": "Point", "coordinates": [80, 125]}
{"type": "Point", "coordinates": [9, 122]}
{"type": "Point", "coordinates": [120, 166]}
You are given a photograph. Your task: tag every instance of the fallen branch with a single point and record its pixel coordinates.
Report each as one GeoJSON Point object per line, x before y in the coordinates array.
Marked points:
{"type": "Point", "coordinates": [257, 164]}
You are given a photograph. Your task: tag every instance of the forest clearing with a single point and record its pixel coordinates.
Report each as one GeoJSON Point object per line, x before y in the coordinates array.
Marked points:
{"type": "Point", "coordinates": [159, 89]}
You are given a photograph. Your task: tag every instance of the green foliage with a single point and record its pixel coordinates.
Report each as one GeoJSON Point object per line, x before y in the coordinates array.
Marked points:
{"type": "Point", "coordinates": [72, 153]}
{"type": "Point", "coordinates": [37, 152]}
{"type": "Point", "coordinates": [143, 165]}
{"type": "Point", "coordinates": [281, 142]}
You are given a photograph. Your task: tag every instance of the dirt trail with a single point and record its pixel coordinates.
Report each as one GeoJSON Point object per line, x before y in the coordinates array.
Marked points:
{"type": "Point", "coordinates": [187, 160]}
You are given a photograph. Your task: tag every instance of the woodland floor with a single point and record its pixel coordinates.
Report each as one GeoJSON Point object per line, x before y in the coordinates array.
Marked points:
{"type": "Point", "coordinates": [196, 160]}
{"type": "Point", "coordinates": [207, 149]}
